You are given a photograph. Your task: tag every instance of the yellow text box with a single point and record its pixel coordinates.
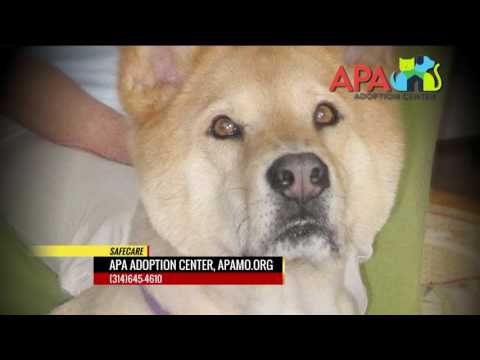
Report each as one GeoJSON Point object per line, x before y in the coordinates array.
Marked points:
{"type": "Point", "coordinates": [89, 250]}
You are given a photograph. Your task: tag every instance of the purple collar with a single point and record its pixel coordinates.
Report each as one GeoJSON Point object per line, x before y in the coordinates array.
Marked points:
{"type": "Point", "coordinates": [153, 304]}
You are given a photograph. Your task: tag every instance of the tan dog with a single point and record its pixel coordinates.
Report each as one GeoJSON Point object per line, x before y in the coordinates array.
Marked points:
{"type": "Point", "coordinates": [245, 151]}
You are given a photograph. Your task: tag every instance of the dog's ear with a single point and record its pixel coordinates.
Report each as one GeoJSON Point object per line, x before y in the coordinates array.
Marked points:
{"type": "Point", "coordinates": [150, 75]}
{"type": "Point", "coordinates": [386, 56]}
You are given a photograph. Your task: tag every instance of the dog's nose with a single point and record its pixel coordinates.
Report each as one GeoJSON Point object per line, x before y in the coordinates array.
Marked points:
{"type": "Point", "coordinates": [301, 177]}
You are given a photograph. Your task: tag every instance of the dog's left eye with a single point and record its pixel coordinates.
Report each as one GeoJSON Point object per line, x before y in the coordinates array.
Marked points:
{"type": "Point", "coordinates": [325, 114]}
{"type": "Point", "coordinates": [223, 127]}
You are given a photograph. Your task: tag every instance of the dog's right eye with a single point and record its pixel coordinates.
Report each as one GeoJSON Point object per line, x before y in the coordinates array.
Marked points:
{"type": "Point", "coordinates": [224, 128]}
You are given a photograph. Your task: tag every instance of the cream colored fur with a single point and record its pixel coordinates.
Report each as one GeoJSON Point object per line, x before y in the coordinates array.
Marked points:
{"type": "Point", "coordinates": [202, 196]}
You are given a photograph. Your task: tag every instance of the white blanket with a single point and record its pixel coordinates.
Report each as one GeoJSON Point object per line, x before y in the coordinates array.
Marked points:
{"type": "Point", "coordinates": [51, 194]}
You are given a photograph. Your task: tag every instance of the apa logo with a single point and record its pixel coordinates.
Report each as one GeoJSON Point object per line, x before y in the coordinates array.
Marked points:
{"type": "Point", "coordinates": [361, 74]}
{"type": "Point", "coordinates": [422, 70]}
{"type": "Point", "coordinates": [419, 72]}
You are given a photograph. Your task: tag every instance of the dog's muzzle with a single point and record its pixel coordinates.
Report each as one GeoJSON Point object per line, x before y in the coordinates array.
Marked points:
{"type": "Point", "coordinates": [301, 212]}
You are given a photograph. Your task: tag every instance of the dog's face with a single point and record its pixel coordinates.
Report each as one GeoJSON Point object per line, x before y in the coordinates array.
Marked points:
{"type": "Point", "coordinates": [251, 154]}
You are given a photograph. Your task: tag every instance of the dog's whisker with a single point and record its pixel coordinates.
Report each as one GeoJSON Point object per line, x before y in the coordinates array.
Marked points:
{"type": "Point", "coordinates": [240, 225]}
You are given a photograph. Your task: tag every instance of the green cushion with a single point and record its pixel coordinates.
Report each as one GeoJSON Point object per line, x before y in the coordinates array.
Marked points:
{"type": "Point", "coordinates": [27, 285]}
{"type": "Point", "coordinates": [391, 276]}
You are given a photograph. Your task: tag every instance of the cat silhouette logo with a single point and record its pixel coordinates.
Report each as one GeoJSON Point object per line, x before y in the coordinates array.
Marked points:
{"type": "Point", "coordinates": [421, 70]}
